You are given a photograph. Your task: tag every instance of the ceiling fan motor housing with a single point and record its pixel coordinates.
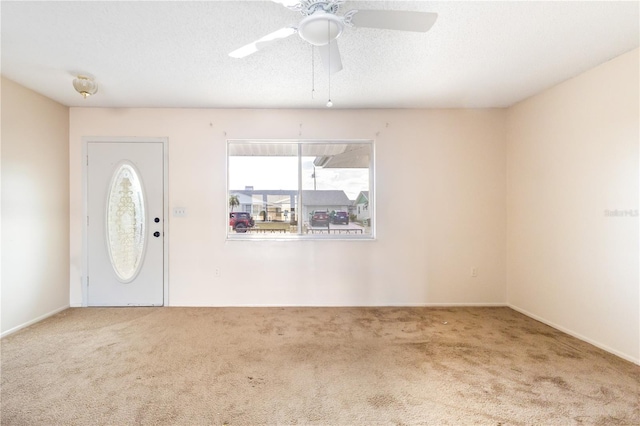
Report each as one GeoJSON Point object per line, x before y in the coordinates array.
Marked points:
{"type": "Point", "coordinates": [309, 7]}
{"type": "Point", "coordinates": [320, 28]}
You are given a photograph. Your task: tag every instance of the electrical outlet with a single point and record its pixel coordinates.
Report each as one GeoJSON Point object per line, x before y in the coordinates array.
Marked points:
{"type": "Point", "coordinates": [217, 271]}
{"type": "Point", "coordinates": [179, 212]}
{"type": "Point", "coordinates": [474, 272]}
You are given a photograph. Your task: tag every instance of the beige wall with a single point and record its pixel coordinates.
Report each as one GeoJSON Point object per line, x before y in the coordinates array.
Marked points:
{"type": "Point", "coordinates": [35, 206]}
{"type": "Point", "coordinates": [572, 154]}
{"type": "Point", "coordinates": [447, 167]}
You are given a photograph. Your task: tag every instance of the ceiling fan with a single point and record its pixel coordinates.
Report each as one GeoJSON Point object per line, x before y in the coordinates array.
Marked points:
{"type": "Point", "coordinates": [321, 27]}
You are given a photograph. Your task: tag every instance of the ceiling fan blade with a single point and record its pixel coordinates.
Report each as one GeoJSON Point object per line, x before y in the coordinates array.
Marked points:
{"type": "Point", "coordinates": [263, 42]}
{"type": "Point", "coordinates": [291, 4]}
{"type": "Point", "coordinates": [394, 20]}
{"type": "Point", "coordinates": [330, 55]}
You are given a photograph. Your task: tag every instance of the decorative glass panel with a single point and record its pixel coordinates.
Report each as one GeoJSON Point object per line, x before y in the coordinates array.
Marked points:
{"type": "Point", "coordinates": [126, 223]}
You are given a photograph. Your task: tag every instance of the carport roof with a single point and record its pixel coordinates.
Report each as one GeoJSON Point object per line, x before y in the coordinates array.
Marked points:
{"type": "Point", "coordinates": [325, 198]}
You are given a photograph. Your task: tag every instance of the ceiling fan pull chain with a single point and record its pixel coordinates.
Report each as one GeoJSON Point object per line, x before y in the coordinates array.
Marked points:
{"type": "Point", "coordinates": [329, 103]}
{"type": "Point", "coordinates": [313, 73]}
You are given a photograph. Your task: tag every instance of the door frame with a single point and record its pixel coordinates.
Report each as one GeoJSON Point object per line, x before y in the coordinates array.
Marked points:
{"type": "Point", "coordinates": [86, 140]}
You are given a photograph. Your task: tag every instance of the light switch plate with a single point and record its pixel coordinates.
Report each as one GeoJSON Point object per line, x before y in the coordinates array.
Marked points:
{"type": "Point", "coordinates": [179, 212]}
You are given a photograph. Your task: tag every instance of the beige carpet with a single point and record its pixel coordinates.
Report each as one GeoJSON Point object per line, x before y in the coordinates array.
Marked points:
{"type": "Point", "coordinates": [324, 366]}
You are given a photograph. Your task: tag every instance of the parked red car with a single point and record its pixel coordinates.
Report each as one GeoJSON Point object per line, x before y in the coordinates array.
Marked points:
{"type": "Point", "coordinates": [240, 221]}
{"type": "Point", "coordinates": [320, 218]}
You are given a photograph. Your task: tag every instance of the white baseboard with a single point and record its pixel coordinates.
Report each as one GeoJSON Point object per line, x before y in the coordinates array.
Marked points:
{"type": "Point", "coordinates": [398, 305]}
{"type": "Point", "coordinates": [576, 335]}
{"type": "Point", "coordinates": [459, 305]}
{"type": "Point", "coordinates": [33, 321]}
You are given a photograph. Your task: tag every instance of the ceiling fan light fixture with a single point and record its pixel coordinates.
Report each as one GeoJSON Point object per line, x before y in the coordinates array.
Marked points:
{"type": "Point", "coordinates": [320, 28]}
{"type": "Point", "coordinates": [84, 85]}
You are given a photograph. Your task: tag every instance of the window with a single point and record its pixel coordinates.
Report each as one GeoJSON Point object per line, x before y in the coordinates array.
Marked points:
{"type": "Point", "coordinates": [300, 189]}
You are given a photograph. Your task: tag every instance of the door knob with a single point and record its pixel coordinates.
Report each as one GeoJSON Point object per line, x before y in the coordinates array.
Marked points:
{"type": "Point", "coordinates": [156, 234]}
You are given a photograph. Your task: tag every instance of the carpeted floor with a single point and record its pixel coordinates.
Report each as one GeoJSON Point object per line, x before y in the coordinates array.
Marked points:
{"type": "Point", "coordinates": [323, 366]}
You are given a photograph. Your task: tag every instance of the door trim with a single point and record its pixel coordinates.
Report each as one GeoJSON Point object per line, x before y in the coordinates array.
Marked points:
{"type": "Point", "coordinates": [165, 207]}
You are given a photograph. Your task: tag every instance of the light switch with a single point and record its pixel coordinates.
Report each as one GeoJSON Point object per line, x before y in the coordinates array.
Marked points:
{"type": "Point", "coordinates": [179, 212]}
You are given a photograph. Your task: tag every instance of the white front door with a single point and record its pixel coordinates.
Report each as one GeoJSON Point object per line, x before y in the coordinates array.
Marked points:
{"type": "Point", "coordinates": [125, 224]}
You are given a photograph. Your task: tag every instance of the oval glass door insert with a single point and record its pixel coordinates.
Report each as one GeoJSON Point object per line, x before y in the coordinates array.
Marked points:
{"type": "Point", "coordinates": [126, 223]}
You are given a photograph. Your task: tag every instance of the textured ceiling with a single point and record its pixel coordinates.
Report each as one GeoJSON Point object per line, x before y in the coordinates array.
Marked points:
{"type": "Point", "coordinates": [174, 54]}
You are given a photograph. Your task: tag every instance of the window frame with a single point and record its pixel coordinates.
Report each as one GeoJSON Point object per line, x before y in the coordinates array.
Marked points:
{"type": "Point", "coordinates": [299, 235]}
